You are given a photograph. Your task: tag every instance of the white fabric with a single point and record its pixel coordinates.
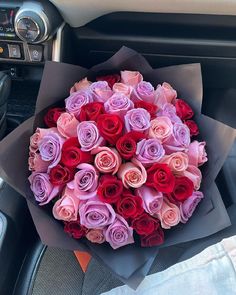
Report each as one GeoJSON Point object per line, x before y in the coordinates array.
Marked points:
{"type": "Point", "coordinates": [212, 272]}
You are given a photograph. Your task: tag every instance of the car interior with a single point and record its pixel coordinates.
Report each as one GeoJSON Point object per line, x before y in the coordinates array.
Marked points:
{"type": "Point", "coordinates": [86, 33]}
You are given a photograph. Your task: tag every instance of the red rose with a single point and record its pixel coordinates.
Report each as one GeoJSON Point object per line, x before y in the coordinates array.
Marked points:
{"type": "Point", "coordinates": [129, 206]}
{"type": "Point", "coordinates": [126, 146]}
{"type": "Point", "coordinates": [160, 177]}
{"type": "Point", "coordinates": [110, 79]}
{"type": "Point", "coordinates": [183, 188]}
{"type": "Point", "coordinates": [150, 107]}
{"type": "Point", "coordinates": [72, 155]}
{"type": "Point", "coordinates": [74, 229]}
{"type": "Point", "coordinates": [60, 175]}
{"type": "Point", "coordinates": [183, 110]}
{"type": "Point", "coordinates": [110, 127]}
{"type": "Point", "coordinates": [192, 127]}
{"type": "Point", "coordinates": [50, 119]}
{"type": "Point", "coordinates": [154, 239]}
{"type": "Point", "coordinates": [145, 224]}
{"type": "Point", "coordinates": [110, 189]}
{"type": "Point", "coordinates": [91, 111]}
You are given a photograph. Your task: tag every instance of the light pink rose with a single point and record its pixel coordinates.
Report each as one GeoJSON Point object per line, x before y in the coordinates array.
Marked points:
{"type": "Point", "coordinates": [119, 233]}
{"type": "Point", "coordinates": [95, 236]}
{"type": "Point", "coordinates": [131, 78]}
{"type": "Point", "coordinates": [36, 163]}
{"type": "Point", "coordinates": [195, 175]}
{"type": "Point", "coordinates": [37, 136]}
{"type": "Point", "coordinates": [101, 91]}
{"type": "Point", "coordinates": [81, 85]}
{"type": "Point", "coordinates": [107, 160]}
{"type": "Point", "coordinates": [122, 88]}
{"type": "Point", "coordinates": [197, 153]}
{"type": "Point", "coordinates": [133, 174]}
{"type": "Point", "coordinates": [165, 94]}
{"type": "Point", "coordinates": [178, 162]}
{"type": "Point", "coordinates": [67, 125]}
{"type": "Point", "coordinates": [152, 199]}
{"type": "Point", "coordinates": [96, 214]}
{"type": "Point", "coordinates": [161, 128]}
{"type": "Point", "coordinates": [67, 207]}
{"type": "Point", "coordinates": [169, 214]}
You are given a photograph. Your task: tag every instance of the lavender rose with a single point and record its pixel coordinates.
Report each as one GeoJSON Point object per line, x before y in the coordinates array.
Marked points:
{"type": "Point", "coordinates": [89, 136]}
{"type": "Point", "coordinates": [152, 199]}
{"type": "Point", "coordinates": [149, 151]}
{"type": "Point", "coordinates": [85, 182]}
{"type": "Point", "coordinates": [137, 120]}
{"type": "Point", "coordinates": [118, 104]}
{"type": "Point", "coordinates": [101, 91]}
{"type": "Point", "coordinates": [180, 139]}
{"type": "Point", "coordinates": [168, 110]}
{"type": "Point", "coordinates": [119, 233]}
{"type": "Point", "coordinates": [42, 188]}
{"type": "Point", "coordinates": [50, 148]}
{"type": "Point", "coordinates": [143, 91]}
{"type": "Point", "coordinates": [188, 206]}
{"type": "Point", "coordinates": [96, 214]}
{"type": "Point", "coordinates": [76, 100]}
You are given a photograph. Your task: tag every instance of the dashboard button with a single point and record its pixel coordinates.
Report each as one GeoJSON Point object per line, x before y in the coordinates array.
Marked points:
{"type": "Point", "coordinates": [35, 52]}
{"type": "Point", "coordinates": [14, 51]}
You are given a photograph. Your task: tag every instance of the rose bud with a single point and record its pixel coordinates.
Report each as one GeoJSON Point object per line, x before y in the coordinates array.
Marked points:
{"type": "Point", "coordinates": [110, 127]}
{"type": "Point", "coordinates": [150, 107]}
{"type": "Point", "coordinates": [145, 224]}
{"type": "Point", "coordinates": [91, 111]}
{"type": "Point", "coordinates": [169, 214]}
{"type": "Point", "coordinates": [119, 233]}
{"type": "Point", "coordinates": [95, 236]}
{"type": "Point", "coordinates": [160, 177]}
{"type": "Point", "coordinates": [129, 206]}
{"type": "Point", "coordinates": [122, 88]}
{"type": "Point", "coordinates": [60, 175]}
{"type": "Point", "coordinates": [67, 125]}
{"type": "Point", "coordinates": [110, 79]}
{"type": "Point", "coordinates": [44, 191]}
{"type": "Point", "coordinates": [51, 117]}
{"type": "Point", "coordinates": [183, 188]}
{"type": "Point", "coordinates": [154, 239]}
{"type": "Point", "coordinates": [194, 131]}
{"type": "Point", "coordinates": [109, 189]}
{"type": "Point", "coordinates": [183, 110]}
{"type": "Point", "coordinates": [131, 78]}
{"type": "Point", "coordinates": [74, 229]}
{"type": "Point", "coordinates": [165, 94]}
{"type": "Point", "coordinates": [81, 85]}
{"type": "Point", "coordinates": [197, 153]}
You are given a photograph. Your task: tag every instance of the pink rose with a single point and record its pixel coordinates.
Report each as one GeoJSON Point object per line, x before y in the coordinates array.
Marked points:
{"type": "Point", "coordinates": [152, 199]}
{"type": "Point", "coordinates": [178, 162]}
{"type": "Point", "coordinates": [165, 94]}
{"type": "Point", "coordinates": [67, 125]}
{"type": "Point", "coordinates": [122, 88]}
{"type": "Point", "coordinates": [119, 233]}
{"type": "Point", "coordinates": [101, 91]}
{"type": "Point", "coordinates": [107, 159]}
{"type": "Point", "coordinates": [169, 214]}
{"type": "Point", "coordinates": [67, 207]}
{"type": "Point", "coordinates": [161, 128]}
{"type": "Point", "coordinates": [95, 236]}
{"type": "Point", "coordinates": [195, 175]}
{"type": "Point", "coordinates": [36, 163]}
{"type": "Point", "coordinates": [197, 153]}
{"type": "Point", "coordinates": [133, 174]}
{"type": "Point", "coordinates": [96, 214]}
{"type": "Point", "coordinates": [81, 85]}
{"type": "Point", "coordinates": [131, 78]}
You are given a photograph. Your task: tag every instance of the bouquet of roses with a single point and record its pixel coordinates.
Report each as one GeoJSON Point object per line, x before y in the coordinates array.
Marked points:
{"type": "Point", "coordinates": [118, 163]}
